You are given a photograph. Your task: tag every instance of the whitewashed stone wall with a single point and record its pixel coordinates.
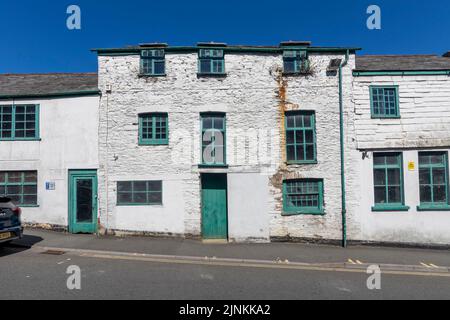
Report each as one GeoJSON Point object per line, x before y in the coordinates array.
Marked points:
{"type": "Point", "coordinates": [424, 110]}
{"type": "Point", "coordinates": [251, 96]}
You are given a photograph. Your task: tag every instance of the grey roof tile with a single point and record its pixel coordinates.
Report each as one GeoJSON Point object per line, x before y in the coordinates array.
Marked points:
{"type": "Point", "coordinates": [402, 63]}
{"type": "Point", "coordinates": [51, 84]}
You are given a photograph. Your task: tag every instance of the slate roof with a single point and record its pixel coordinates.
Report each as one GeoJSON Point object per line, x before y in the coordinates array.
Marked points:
{"type": "Point", "coordinates": [402, 63]}
{"type": "Point", "coordinates": [47, 85]}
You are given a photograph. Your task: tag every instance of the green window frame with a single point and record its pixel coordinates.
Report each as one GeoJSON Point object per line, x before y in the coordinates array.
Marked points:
{"type": "Point", "coordinates": [153, 62]}
{"type": "Point", "coordinates": [20, 186]}
{"type": "Point", "coordinates": [388, 182]}
{"type": "Point", "coordinates": [433, 180]}
{"type": "Point", "coordinates": [139, 193]}
{"type": "Point", "coordinates": [211, 61]}
{"type": "Point", "coordinates": [295, 61]}
{"type": "Point", "coordinates": [303, 196]}
{"type": "Point", "coordinates": [19, 122]}
{"type": "Point", "coordinates": [213, 139]}
{"type": "Point", "coordinates": [301, 145]}
{"type": "Point", "coordinates": [153, 129]}
{"type": "Point", "coordinates": [384, 102]}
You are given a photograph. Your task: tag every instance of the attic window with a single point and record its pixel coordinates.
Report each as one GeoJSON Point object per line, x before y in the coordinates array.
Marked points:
{"type": "Point", "coordinates": [153, 62]}
{"type": "Point", "coordinates": [211, 62]}
{"type": "Point", "coordinates": [295, 61]}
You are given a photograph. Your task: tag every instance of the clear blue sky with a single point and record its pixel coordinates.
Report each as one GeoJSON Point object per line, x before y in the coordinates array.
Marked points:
{"type": "Point", "coordinates": [34, 36]}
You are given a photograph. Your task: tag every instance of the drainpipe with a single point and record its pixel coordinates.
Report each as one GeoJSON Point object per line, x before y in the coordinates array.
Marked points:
{"type": "Point", "coordinates": [341, 128]}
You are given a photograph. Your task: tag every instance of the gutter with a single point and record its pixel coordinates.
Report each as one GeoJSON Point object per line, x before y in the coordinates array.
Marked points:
{"type": "Point", "coordinates": [357, 73]}
{"type": "Point", "coordinates": [51, 95]}
{"type": "Point", "coordinates": [341, 129]}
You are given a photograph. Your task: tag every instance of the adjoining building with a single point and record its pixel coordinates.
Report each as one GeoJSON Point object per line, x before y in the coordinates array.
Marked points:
{"type": "Point", "coordinates": [402, 126]}
{"type": "Point", "coordinates": [49, 147]}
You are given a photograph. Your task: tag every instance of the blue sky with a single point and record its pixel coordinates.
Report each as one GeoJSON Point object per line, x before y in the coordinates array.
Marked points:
{"type": "Point", "coordinates": [35, 38]}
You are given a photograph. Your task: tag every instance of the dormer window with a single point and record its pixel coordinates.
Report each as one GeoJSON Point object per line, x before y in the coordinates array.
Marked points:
{"type": "Point", "coordinates": [211, 61]}
{"type": "Point", "coordinates": [295, 61]}
{"type": "Point", "coordinates": [153, 62]}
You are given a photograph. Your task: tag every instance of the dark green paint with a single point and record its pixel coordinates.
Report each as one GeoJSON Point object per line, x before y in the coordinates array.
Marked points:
{"type": "Point", "coordinates": [214, 206]}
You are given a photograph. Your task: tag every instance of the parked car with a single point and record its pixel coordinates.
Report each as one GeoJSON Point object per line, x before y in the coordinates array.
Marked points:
{"type": "Point", "coordinates": [10, 222]}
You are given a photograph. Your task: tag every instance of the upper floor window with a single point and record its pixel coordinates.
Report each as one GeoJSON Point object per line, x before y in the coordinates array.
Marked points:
{"type": "Point", "coordinates": [211, 61]}
{"type": "Point", "coordinates": [433, 180]}
{"type": "Point", "coordinates": [153, 62]}
{"type": "Point", "coordinates": [20, 186]}
{"type": "Point", "coordinates": [295, 61]}
{"type": "Point", "coordinates": [304, 196]}
{"type": "Point", "coordinates": [19, 122]}
{"type": "Point", "coordinates": [301, 137]}
{"type": "Point", "coordinates": [153, 129]}
{"type": "Point", "coordinates": [384, 102]}
{"type": "Point", "coordinates": [213, 139]}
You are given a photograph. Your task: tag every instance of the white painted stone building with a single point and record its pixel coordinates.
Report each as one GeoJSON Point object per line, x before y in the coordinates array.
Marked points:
{"type": "Point", "coordinates": [48, 131]}
{"type": "Point", "coordinates": [413, 130]}
{"type": "Point", "coordinates": [252, 91]}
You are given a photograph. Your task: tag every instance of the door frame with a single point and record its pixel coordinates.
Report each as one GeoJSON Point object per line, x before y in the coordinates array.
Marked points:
{"type": "Point", "coordinates": [78, 173]}
{"type": "Point", "coordinates": [226, 238]}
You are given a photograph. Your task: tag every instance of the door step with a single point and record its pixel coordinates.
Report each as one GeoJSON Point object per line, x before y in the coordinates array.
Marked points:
{"type": "Point", "coordinates": [215, 241]}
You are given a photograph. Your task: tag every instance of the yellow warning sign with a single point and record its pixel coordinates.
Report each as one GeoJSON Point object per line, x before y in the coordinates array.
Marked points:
{"type": "Point", "coordinates": [411, 166]}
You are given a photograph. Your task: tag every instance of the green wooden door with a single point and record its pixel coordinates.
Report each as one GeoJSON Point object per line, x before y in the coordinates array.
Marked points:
{"type": "Point", "coordinates": [83, 201]}
{"type": "Point", "coordinates": [214, 206]}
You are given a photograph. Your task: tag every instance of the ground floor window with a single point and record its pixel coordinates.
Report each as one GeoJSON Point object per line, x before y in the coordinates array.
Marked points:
{"type": "Point", "coordinates": [433, 179]}
{"type": "Point", "coordinates": [139, 192]}
{"type": "Point", "coordinates": [20, 186]}
{"type": "Point", "coordinates": [388, 181]}
{"type": "Point", "coordinates": [303, 196]}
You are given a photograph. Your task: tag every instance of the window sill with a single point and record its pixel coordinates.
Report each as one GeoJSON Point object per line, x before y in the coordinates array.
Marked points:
{"type": "Point", "coordinates": [386, 117]}
{"type": "Point", "coordinates": [212, 166]}
{"type": "Point", "coordinates": [433, 208]}
{"type": "Point", "coordinates": [295, 74]}
{"type": "Point", "coordinates": [28, 205]}
{"type": "Point", "coordinates": [21, 140]}
{"type": "Point", "coordinates": [143, 144]}
{"type": "Point", "coordinates": [304, 212]}
{"type": "Point", "coordinates": [139, 205]}
{"type": "Point", "coordinates": [142, 75]}
{"type": "Point", "coordinates": [301, 162]}
{"type": "Point", "coordinates": [211, 75]}
{"type": "Point", "coordinates": [393, 208]}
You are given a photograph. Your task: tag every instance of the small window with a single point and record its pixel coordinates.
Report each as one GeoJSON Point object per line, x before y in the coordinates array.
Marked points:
{"type": "Point", "coordinates": [139, 193]}
{"type": "Point", "coordinates": [301, 137]}
{"type": "Point", "coordinates": [153, 62]}
{"type": "Point", "coordinates": [433, 179]}
{"type": "Point", "coordinates": [295, 61]}
{"type": "Point", "coordinates": [211, 61]}
{"type": "Point", "coordinates": [20, 186]}
{"type": "Point", "coordinates": [153, 129]}
{"type": "Point", "coordinates": [388, 181]}
{"type": "Point", "coordinates": [19, 122]}
{"type": "Point", "coordinates": [213, 139]}
{"type": "Point", "coordinates": [303, 196]}
{"type": "Point", "coordinates": [385, 102]}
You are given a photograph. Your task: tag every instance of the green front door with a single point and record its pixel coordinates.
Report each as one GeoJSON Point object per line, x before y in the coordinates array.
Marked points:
{"type": "Point", "coordinates": [83, 201]}
{"type": "Point", "coordinates": [214, 206]}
